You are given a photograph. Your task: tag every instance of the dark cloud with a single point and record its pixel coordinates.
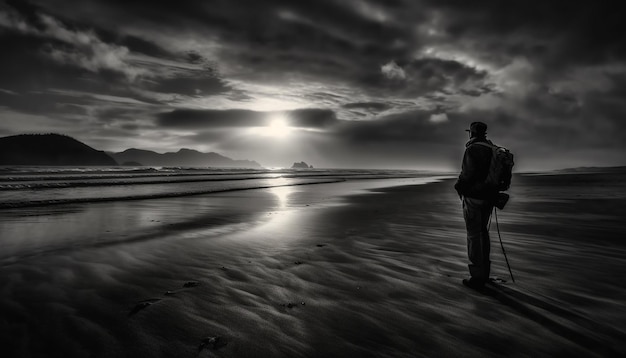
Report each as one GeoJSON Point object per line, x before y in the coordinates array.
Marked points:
{"type": "Point", "coordinates": [409, 127]}
{"type": "Point", "coordinates": [26, 67]}
{"type": "Point", "coordinates": [127, 117]}
{"type": "Point", "coordinates": [215, 135]}
{"type": "Point", "coordinates": [546, 76]}
{"type": "Point", "coordinates": [27, 10]}
{"type": "Point", "coordinates": [555, 34]}
{"type": "Point", "coordinates": [311, 118]}
{"type": "Point", "coordinates": [323, 38]}
{"type": "Point", "coordinates": [368, 106]}
{"type": "Point", "coordinates": [209, 118]}
{"type": "Point", "coordinates": [427, 75]}
{"type": "Point", "coordinates": [36, 103]}
{"type": "Point", "coordinates": [130, 126]}
{"type": "Point", "coordinates": [478, 90]}
{"type": "Point", "coordinates": [201, 85]}
{"type": "Point", "coordinates": [138, 45]}
{"type": "Point", "coordinates": [454, 71]}
{"type": "Point", "coordinates": [334, 39]}
{"type": "Point", "coordinates": [326, 96]}
{"type": "Point", "coordinates": [48, 63]}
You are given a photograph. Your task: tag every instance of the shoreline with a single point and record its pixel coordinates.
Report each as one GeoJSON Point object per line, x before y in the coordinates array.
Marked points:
{"type": "Point", "coordinates": [40, 194]}
{"type": "Point", "coordinates": [97, 223]}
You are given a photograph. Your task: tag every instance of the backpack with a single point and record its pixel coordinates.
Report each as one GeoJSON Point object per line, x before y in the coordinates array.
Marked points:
{"type": "Point", "coordinates": [500, 168]}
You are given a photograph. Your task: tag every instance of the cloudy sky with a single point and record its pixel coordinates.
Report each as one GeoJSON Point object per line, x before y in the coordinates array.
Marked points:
{"type": "Point", "coordinates": [337, 83]}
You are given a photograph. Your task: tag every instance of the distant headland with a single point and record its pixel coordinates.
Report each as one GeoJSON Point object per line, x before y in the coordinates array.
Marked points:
{"type": "Point", "coordinates": [61, 150]}
{"type": "Point", "coordinates": [184, 157]}
{"type": "Point", "coordinates": [50, 149]}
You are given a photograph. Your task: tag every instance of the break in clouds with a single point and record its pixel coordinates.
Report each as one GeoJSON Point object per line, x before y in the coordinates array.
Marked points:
{"type": "Point", "coordinates": [359, 82]}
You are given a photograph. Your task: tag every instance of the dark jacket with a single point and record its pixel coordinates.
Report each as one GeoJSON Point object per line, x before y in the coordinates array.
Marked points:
{"type": "Point", "coordinates": [474, 171]}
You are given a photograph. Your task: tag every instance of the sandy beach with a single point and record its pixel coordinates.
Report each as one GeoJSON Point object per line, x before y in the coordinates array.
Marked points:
{"type": "Point", "coordinates": [363, 268]}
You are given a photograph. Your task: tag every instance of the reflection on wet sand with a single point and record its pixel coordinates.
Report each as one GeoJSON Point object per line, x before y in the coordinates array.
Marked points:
{"type": "Point", "coordinates": [378, 271]}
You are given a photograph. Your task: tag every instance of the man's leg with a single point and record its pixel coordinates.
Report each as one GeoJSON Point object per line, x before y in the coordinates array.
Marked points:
{"type": "Point", "coordinates": [478, 244]}
{"type": "Point", "coordinates": [486, 209]}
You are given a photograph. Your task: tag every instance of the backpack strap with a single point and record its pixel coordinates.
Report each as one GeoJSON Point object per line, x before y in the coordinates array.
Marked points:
{"type": "Point", "coordinates": [486, 145]}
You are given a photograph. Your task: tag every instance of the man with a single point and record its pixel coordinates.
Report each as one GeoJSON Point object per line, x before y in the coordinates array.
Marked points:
{"type": "Point", "coordinates": [478, 201]}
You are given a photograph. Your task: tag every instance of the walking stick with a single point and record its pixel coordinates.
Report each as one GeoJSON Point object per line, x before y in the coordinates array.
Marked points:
{"type": "Point", "coordinates": [502, 245]}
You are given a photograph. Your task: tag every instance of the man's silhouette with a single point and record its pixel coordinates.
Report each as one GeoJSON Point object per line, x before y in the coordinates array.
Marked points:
{"type": "Point", "coordinates": [478, 201]}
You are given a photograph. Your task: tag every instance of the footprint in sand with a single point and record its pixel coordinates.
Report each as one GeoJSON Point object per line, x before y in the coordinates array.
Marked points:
{"type": "Point", "coordinates": [215, 342]}
{"type": "Point", "coordinates": [146, 303]}
{"type": "Point", "coordinates": [191, 284]}
{"type": "Point", "coordinates": [497, 280]}
{"type": "Point", "coordinates": [292, 304]}
{"type": "Point", "coordinates": [188, 284]}
{"type": "Point", "coordinates": [143, 304]}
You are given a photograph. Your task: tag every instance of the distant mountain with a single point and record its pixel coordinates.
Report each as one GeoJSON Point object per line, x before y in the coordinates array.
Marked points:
{"type": "Point", "coordinates": [50, 149]}
{"type": "Point", "coordinates": [182, 158]}
{"type": "Point", "coordinates": [619, 169]}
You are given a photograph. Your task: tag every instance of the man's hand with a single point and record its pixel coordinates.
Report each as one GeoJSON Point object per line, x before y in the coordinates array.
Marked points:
{"type": "Point", "coordinates": [457, 187]}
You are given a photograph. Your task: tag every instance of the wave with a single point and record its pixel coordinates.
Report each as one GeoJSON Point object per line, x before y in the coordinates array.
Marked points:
{"type": "Point", "coordinates": [57, 182]}
{"type": "Point", "coordinates": [73, 176]}
{"type": "Point", "coordinates": [27, 187]}
{"type": "Point", "coordinates": [44, 173]}
{"type": "Point", "coordinates": [109, 182]}
{"type": "Point", "coordinates": [49, 202]}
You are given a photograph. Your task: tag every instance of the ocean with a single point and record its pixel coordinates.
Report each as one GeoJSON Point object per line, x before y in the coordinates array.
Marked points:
{"type": "Point", "coordinates": [44, 186]}
{"type": "Point", "coordinates": [50, 210]}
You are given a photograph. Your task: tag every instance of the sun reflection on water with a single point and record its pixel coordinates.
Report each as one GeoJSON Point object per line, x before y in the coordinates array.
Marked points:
{"type": "Point", "coordinates": [282, 192]}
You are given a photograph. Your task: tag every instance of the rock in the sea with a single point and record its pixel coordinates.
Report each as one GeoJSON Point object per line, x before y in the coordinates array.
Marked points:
{"type": "Point", "coordinates": [301, 165]}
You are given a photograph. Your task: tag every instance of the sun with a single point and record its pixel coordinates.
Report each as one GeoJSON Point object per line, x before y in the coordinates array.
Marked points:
{"type": "Point", "coordinates": [278, 128]}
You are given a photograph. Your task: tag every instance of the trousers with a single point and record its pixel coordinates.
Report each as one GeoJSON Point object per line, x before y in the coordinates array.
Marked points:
{"type": "Point", "coordinates": [476, 213]}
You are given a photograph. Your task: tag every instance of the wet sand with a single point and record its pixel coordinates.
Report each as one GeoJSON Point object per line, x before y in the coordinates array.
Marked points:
{"type": "Point", "coordinates": [327, 270]}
